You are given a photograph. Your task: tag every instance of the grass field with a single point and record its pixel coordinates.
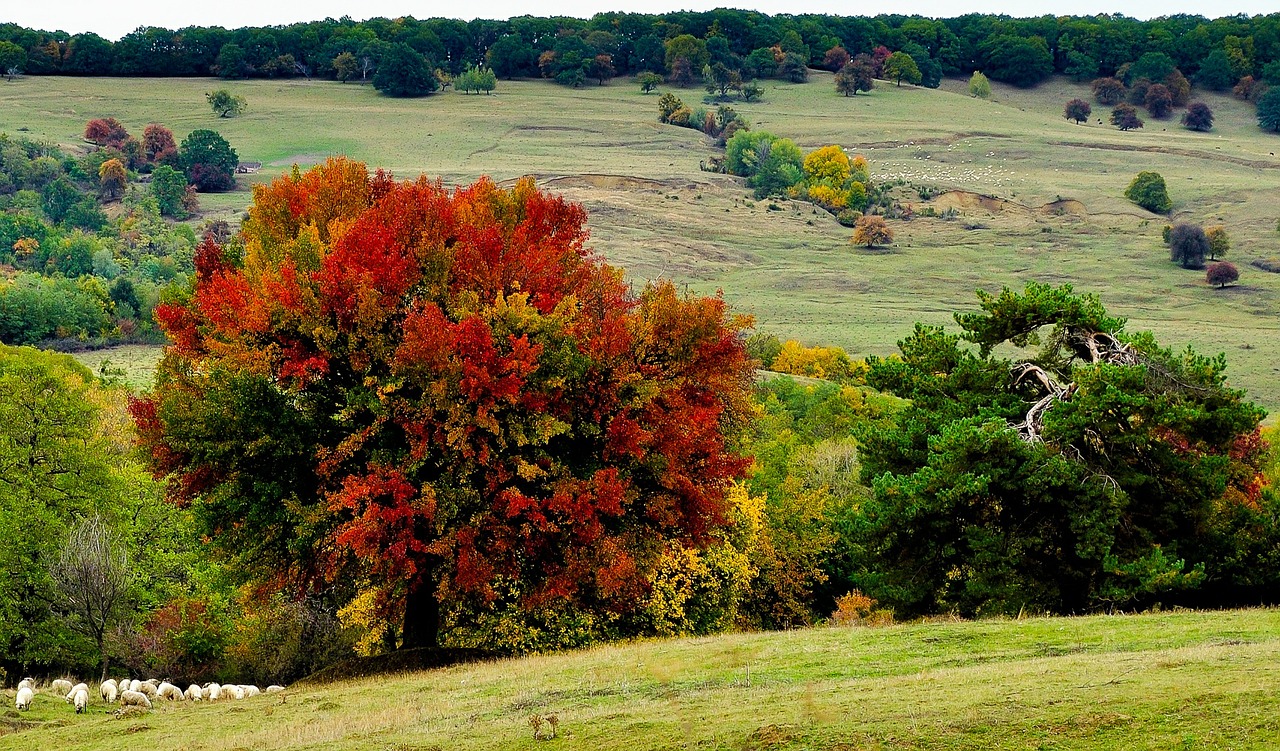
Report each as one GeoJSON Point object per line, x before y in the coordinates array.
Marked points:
{"type": "Point", "coordinates": [653, 212]}
{"type": "Point", "coordinates": [1159, 681]}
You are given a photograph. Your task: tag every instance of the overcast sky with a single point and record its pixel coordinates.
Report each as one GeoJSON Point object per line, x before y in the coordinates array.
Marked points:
{"type": "Point", "coordinates": [114, 19]}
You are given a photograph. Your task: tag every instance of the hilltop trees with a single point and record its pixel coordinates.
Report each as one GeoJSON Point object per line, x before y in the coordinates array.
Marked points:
{"type": "Point", "coordinates": [1078, 110]}
{"type": "Point", "coordinates": [441, 402]}
{"type": "Point", "coordinates": [404, 72]}
{"type": "Point", "coordinates": [1092, 469]}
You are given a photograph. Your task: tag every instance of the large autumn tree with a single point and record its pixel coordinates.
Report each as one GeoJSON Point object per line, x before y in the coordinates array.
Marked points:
{"type": "Point", "coordinates": [441, 397]}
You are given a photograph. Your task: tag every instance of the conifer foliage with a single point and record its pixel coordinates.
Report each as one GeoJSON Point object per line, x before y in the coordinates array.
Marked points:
{"type": "Point", "coordinates": [441, 397]}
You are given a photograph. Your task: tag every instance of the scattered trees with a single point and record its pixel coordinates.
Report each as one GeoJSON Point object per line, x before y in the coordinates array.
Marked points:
{"type": "Point", "coordinates": [836, 58]}
{"type": "Point", "coordinates": [224, 103]}
{"type": "Point", "coordinates": [648, 81]}
{"type": "Point", "coordinates": [345, 66]}
{"type": "Point", "coordinates": [855, 76]}
{"type": "Point", "coordinates": [475, 80]}
{"type": "Point", "coordinates": [1219, 242]}
{"type": "Point", "coordinates": [12, 59]}
{"type": "Point", "coordinates": [1222, 274]}
{"type": "Point", "coordinates": [1158, 101]}
{"type": "Point", "coordinates": [1125, 117]}
{"type": "Point", "coordinates": [1078, 110]}
{"type": "Point", "coordinates": [1188, 245]}
{"type": "Point", "coordinates": [1148, 190]}
{"type": "Point", "coordinates": [979, 86]}
{"type": "Point", "coordinates": [900, 66]}
{"type": "Point", "coordinates": [404, 72]}
{"type": "Point", "coordinates": [870, 231]}
{"type": "Point", "coordinates": [1108, 90]}
{"type": "Point", "coordinates": [1198, 117]}
{"type": "Point", "coordinates": [112, 179]}
{"type": "Point", "coordinates": [169, 187]}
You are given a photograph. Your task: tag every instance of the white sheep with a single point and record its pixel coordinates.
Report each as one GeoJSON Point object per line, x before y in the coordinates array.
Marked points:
{"type": "Point", "coordinates": [250, 691]}
{"type": "Point", "coordinates": [148, 688]}
{"type": "Point", "coordinates": [134, 699]}
{"type": "Point", "coordinates": [134, 685]}
{"type": "Point", "coordinates": [24, 698]}
{"type": "Point", "coordinates": [71, 695]}
{"type": "Point", "coordinates": [81, 700]}
{"type": "Point", "coordinates": [274, 689]}
{"type": "Point", "coordinates": [26, 683]}
{"type": "Point", "coordinates": [211, 692]}
{"type": "Point", "coordinates": [109, 691]}
{"type": "Point", "coordinates": [170, 692]}
{"type": "Point", "coordinates": [194, 693]}
{"type": "Point", "coordinates": [60, 687]}
{"type": "Point", "coordinates": [235, 691]}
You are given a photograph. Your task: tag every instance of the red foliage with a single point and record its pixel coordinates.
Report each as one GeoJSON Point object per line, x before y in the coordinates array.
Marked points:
{"type": "Point", "coordinates": [508, 406]}
{"type": "Point", "coordinates": [106, 132]}
{"type": "Point", "coordinates": [159, 144]}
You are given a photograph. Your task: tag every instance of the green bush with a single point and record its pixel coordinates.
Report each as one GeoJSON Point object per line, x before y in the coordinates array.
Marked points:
{"type": "Point", "coordinates": [1148, 191]}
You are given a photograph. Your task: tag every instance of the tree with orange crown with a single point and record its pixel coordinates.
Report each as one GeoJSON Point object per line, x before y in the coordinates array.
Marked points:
{"type": "Point", "coordinates": [434, 393]}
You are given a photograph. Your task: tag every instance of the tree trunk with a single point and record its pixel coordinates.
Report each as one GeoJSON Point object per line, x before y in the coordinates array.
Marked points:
{"type": "Point", "coordinates": [106, 662]}
{"type": "Point", "coordinates": [422, 617]}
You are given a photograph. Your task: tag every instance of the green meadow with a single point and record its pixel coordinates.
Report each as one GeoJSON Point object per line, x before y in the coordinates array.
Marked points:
{"type": "Point", "coordinates": [1061, 216]}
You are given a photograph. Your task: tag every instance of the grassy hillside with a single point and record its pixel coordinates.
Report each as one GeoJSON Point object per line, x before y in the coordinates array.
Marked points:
{"type": "Point", "coordinates": [655, 213]}
{"type": "Point", "coordinates": [1161, 681]}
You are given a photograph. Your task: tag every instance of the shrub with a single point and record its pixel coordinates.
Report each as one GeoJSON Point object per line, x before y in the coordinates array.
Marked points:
{"type": "Point", "coordinates": [979, 86]}
{"type": "Point", "coordinates": [871, 231]}
{"type": "Point", "coordinates": [852, 608]}
{"type": "Point", "coordinates": [648, 81]}
{"type": "Point", "coordinates": [1222, 274]}
{"type": "Point", "coordinates": [1125, 117]}
{"type": "Point", "coordinates": [1148, 191]}
{"type": "Point", "coordinates": [1188, 245]}
{"type": "Point", "coordinates": [1198, 117]}
{"type": "Point", "coordinates": [668, 104]}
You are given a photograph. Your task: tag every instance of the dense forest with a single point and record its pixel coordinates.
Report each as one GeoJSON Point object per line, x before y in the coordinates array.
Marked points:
{"type": "Point", "coordinates": [1215, 53]}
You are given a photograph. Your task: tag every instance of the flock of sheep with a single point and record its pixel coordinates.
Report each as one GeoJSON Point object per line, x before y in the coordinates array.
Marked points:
{"type": "Point", "coordinates": [135, 693]}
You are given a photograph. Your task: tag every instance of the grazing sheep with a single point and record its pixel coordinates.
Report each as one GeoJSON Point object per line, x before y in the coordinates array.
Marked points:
{"type": "Point", "coordinates": [235, 691]}
{"type": "Point", "coordinates": [273, 689]}
{"type": "Point", "coordinates": [250, 691]}
{"type": "Point", "coordinates": [60, 687]}
{"type": "Point", "coordinates": [81, 700]}
{"type": "Point", "coordinates": [134, 699]}
{"type": "Point", "coordinates": [71, 695]}
{"type": "Point", "coordinates": [26, 683]}
{"type": "Point", "coordinates": [134, 685]}
{"type": "Point", "coordinates": [212, 692]}
{"type": "Point", "coordinates": [194, 693]}
{"type": "Point", "coordinates": [170, 692]}
{"type": "Point", "coordinates": [109, 691]}
{"type": "Point", "coordinates": [148, 688]}
{"type": "Point", "coordinates": [24, 698]}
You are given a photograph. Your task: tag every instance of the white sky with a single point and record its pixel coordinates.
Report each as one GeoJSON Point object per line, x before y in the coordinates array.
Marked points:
{"type": "Point", "coordinates": [114, 19]}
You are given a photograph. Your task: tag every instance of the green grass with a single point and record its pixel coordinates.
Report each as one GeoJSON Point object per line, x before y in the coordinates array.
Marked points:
{"type": "Point", "coordinates": [1158, 681]}
{"type": "Point", "coordinates": [653, 212]}
{"type": "Point", "coordinates": [134, 365]}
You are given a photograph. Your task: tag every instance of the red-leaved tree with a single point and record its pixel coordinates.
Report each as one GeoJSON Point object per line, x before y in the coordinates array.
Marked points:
{"type": "Point", "coordinates": [442, 396]}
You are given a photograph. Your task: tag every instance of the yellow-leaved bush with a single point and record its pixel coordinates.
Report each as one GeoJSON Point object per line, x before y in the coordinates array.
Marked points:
{"type": "Point", "coordinates": [819, 362]}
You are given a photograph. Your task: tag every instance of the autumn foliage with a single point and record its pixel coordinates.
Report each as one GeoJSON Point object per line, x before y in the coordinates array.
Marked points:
{"type": "Point", "coordinates": [440, 399]}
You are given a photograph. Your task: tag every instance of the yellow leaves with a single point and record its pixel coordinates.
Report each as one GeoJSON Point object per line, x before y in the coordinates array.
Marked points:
{"type": "Point", "coordinates": [829, 165]}
{"type": "Point", "coordinates": [362, 613]}
{"type": "Point", "coordinates": [828, 197]}
{"type": "Point", "coordinates": [818, 362]}
{"type": "Point", "coordinates": [25, 246]}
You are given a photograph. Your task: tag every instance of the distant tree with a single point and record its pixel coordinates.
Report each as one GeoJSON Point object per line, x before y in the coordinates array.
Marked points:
{"type": "Point", "coordinates": [1188, 245]}
{"type": "Point", "coordinates": [835, 58]}
{"type": "Point", "coordinates": [169, 187]}
{"type": "Point", "coordinates": [1125, 117]}
{"type": "Point", "coordinates": [1021, 61]}
{"type": "Point", "coordinates": [1215, 72]}
{"type": "Point", "coordinates": [751, 91]}
{"type": "Point", "coordinates": [1078, 110]}
{"type": "Point", "coordinates": [761, 63]}
{"type": "Point", "coordinates": [1219, 242]}
{"type": "Point", "coordinates": [106, 131]}
{"type": "Point", "coordinates": [475, 80]}
{"type": "Point", "coordinates": [93, 577]}
{"type": "Point", "coordinates": [648, 81]}
{"type": "Point", "coordinates": [720, 79]}
{"type": "Point", "coordinates": [689, 47]}
{"type": "Point", "coordinates": [444, 79]}
{"type": "Point", "coordinates": [1159, 102]}
{"type": "Point", "coordinates": [1148, 191]}
{"type": "Point", "coordinates": [13, 59]}
{"type": "Point", "coordinates": [1138, 91]}
{"type": "Point", "coordinates": [871, 231]}
{"type": "Point", "coordinates": [979, 86]}
{"type": "Point", "coordinates": [794, 68]}
{"type": "Point", "coordinates": [1108, 90]}
{"type": "Point", "coordinates": [208, 161]}
{"type": "Point", "coordinates": [231, 62]}
{"type": "Point", "coordinates": [1198, 117]}
{"type": "Point", "coordinates": [681, 72]}
{"type": "Point", "coordinates": [1153, 66]}
{"type": "Point", "coordinates": [668, 104]}
{"type": "Point", "coordinates": [135, 157]}
{"type": "Point", "coordinates": [1179, 88]}
{"type": "Point", "coordinates": [510, 56]}
{"type": "Point", "coordinates": [1080, 67]}
{"type": "Point", "coordinates": [1249, 89]}
{"type": "Point", "coordinates": [601, 68]}
{"type": "Point", "coordinates": [855, 77]}
{"type": "Point", "coordinates": [224, 103]}
{"type": "Point", "coordinates": [1269, 110]}
{"type": "Point", "coordinates": [899, 67]}
{"type": "Point", "coordinates": [1271, 73]}
{"type": "Point", "coordinates": [345, 66]}
{"type": "Point", "coordinates": [1222, 274]}
{"type": "Point", "coordinates": [403, 72]}
{"type": "Point", "coordinates": [158, 144]}
{"type": "Point", "coordinates": [112, 179]}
